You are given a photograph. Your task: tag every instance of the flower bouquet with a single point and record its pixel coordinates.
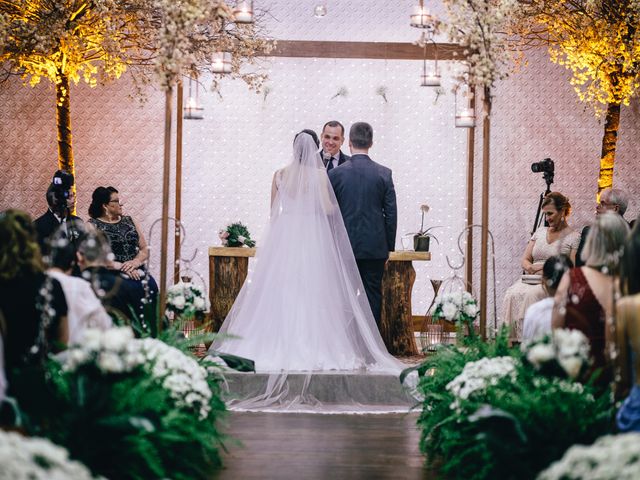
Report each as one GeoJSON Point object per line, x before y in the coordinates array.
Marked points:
{"type": "Point", "coordinates": [564, 353]}
{"type": "Point", "coordinates": [421, 239]}
{"type": "Point", "coordinates": [236, 235]}
{"type": "Point", "coordinates": [459, 308]}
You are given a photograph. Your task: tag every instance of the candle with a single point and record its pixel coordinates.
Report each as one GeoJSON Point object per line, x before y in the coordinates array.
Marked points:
{"type": "Point", "coordinates": [466, 118]}
{"type": "Point", "coordinates": [431, 80]}
{"type": "Point", "coordinates": [243, 16]}
{"type": "Point", "coordinates": [420, 16]}
{"type": "Point", "coordinates": [221, 62]}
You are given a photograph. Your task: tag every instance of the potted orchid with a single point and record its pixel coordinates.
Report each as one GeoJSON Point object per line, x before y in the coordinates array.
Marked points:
{"type": "Point", "coordinates": [421, 239]}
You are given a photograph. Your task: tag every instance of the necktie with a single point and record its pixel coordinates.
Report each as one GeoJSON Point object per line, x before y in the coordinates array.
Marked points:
{"type": "Point", "coordinates": [330, 164]}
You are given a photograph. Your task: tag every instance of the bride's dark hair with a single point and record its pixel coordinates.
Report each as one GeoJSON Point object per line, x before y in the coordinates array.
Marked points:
{"type": "Point", "coordinates": [310, 133]}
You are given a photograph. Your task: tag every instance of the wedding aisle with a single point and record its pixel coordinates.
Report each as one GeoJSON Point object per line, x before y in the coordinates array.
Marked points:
{"type": "Point", "coordinates": [311, 446]}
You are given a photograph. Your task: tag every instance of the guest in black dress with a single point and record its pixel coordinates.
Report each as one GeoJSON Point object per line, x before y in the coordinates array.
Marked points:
{"type": "Point", "coordinates": [32, 303]}
{"type": "Point", "coordinates": [125, 237]}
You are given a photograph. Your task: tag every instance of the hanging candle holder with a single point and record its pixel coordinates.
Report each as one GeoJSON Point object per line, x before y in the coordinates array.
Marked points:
{"type": "Point", "coordinates": [431, 78]}
{"type": "Point", "coordinates": [221, 62]}
{"type": "Point", "coordinates": [421, 17]}
{"type": "Point", "coordinates": [465, 114]}
{"type": "Point", "coordinates": [243, 12]}
{"type": "Point", "coordinates": [320, 10]}
{"type": "Point", "coordinates": [192, 109]}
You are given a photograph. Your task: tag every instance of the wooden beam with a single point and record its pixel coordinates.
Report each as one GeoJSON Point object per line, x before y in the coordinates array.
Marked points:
{"type": "Point", "coordinates": [372, 50]}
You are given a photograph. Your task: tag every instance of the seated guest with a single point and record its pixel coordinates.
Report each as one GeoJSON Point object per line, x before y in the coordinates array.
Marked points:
{"type": "Point", "coordinates": [124, 234]}
{"type": "Point", "coordinates": [120, 295]}
{"type": "Point", "coordinates": [584, 300]}
{"type": "Point", "coordinates": [32, 304]}
{"type": "Point", "coordinates": [627, 335]}
{"type": "Point", "coordinates": [84, 308]}
{"type": "Point", "coordinates": [557, 238]}
{"type": "Point", "coordinates": [537, 319]}
{"type": "Point", "coordinates": [59, 200]}
{"type": "Point", "coordinates": [611, 200]}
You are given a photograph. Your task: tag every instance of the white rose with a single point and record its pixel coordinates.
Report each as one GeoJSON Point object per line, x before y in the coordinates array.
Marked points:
{"type": "Point", "coordinates": [116, 339]}
{"type": "Point", "coordinates": [571, 365]}
{"type": "Point", "coordinates": [199, 303]}
{"type": "Point", "coordinates": [178, 302]}
{"type": "Point", "coordinates": [110, 362]}
{"type": "Point", "coordinates": [449, 311]}
{"type": "Point", "coordinates": [471, 309]}
{"type": "Point", "coordinates": [90, 339]}
{"type": "Point", "coordinates": [541, 353]}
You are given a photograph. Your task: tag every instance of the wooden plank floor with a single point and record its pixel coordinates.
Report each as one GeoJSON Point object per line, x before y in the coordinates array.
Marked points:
{"type": "Point", "coordinates": [335, 447]}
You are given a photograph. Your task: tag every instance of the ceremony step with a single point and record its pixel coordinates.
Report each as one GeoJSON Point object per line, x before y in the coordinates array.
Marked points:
{"type": "Point", "coordinates": [381, 392]}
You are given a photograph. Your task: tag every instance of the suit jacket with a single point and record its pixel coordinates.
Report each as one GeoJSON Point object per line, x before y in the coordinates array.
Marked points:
{"type": "Point", "coordinates": [341, 159]}
{"type": "Point", "coordinates": [367, 200]}
{"type": "Point", "coordinates": [46, 225]}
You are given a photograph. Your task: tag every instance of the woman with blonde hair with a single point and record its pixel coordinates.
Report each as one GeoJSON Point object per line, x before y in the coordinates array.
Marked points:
{"type": "Point", "coordinates": [584, 300]}
{"type": "Point", "coordinates": [627, 335]}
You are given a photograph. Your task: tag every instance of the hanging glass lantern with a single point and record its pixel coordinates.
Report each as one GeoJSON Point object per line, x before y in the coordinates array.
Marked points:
{"type": "Point", "coordinates": [243, 12]}
{"type": "Point", "coordinates": [465, 113]}
{"type": "Point", "coordinates": [221, 62]}
{"type": "Point", "coordinates": [192, 109]}
{"type": "Point", "coordinates": [421, 17]}
{"type": "Point", "coordinates": [431, 78]}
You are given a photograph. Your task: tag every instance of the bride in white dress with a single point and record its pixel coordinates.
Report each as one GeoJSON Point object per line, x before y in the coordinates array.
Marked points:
{"type": "Point", "coordinates": [303, 307]}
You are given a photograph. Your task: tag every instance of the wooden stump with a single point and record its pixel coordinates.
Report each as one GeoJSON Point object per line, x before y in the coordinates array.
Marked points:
{"type": "Point", "coordinates": [396, 324]}
{"type": "Point", "coordinates": [228, 269]}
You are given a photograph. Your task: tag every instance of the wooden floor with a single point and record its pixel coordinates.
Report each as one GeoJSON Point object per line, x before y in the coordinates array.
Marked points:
{"type": "Point", "coordinates": [333, 447]}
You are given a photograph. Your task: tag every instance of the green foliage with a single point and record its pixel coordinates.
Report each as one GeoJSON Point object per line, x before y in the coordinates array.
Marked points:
{"type": "Point", "coordinates": [510, 430]}
{"type": "Point", "coordinates": [126, 425]}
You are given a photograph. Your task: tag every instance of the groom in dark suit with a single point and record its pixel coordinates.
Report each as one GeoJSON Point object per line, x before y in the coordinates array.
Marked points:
{"type": "Point", "coordinates": [332, 138]}
{"type": "Point", "coordinates": [367, 199]}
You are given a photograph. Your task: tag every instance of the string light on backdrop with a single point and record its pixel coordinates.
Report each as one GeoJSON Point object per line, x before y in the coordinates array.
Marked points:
{"type": "Point", "coordinates": [192, 109]}
{"type": "Point", "coordinates": [243, 12]}
{"type": "Point", "coordinates": [221, 62]}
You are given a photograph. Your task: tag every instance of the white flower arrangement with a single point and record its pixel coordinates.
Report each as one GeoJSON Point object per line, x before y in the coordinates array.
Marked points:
{"type": "Point", "coordinates": [477, 376]}
{"type": "Point", "coordinates": [611, 456]}
{"type": "Point", "coordinates": [36, 458]}
{"type": "Point", "coordinates": [186, 299]}
{"type": "Point", "coordinates": [456, 307]}
{"type": "Point", "coordinates": [569, 349]}
{"type": "Point", "coordinates": [116, 351]}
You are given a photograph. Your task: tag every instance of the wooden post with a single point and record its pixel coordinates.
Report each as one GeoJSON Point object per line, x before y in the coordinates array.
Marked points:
{"type": "Point", "coordinates": [471, 139]}
{"type": "Point", "coordinates": [165, 200]}
{"type": "Point", "coordinates": [178, 206]}
{"type": "Point", "coordinates": [486, 132]}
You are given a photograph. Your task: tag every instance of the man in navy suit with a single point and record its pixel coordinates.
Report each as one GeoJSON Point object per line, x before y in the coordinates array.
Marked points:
{"type": "Point", "coordinates": [367, 199]}
{"type": "Point", "coordinates": [332, 138]}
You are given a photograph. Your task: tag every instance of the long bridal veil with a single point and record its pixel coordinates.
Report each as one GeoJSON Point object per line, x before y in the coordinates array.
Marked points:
{"type": "Point", "coordinates": [303, 307]}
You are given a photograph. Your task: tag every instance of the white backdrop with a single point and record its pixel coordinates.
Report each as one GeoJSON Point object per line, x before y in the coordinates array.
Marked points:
{"type": "Point", "coordinates": [230, 155]}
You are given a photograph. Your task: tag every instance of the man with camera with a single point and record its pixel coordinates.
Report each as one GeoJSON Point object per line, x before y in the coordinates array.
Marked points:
{"type": "Point", "coordinates": [60, 200]}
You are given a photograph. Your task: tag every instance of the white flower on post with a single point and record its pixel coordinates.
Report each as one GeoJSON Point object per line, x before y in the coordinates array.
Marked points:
{"type": "Point", "coordinates": [572, 365]}
{"type": "Point", "coordinates": [199, 304]}
{"type": "Point", "coordinates": [471, 309]}
{"type": "Point", "coordinates": [450, 311]}
{"type": "Point", "coordinates": [179, 302]}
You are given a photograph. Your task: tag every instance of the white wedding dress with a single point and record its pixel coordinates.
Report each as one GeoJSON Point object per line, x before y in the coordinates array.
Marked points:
{"type": "Point", "coordinates": [303, 307]}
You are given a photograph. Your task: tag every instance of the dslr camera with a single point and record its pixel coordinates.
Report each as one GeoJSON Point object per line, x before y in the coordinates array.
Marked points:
{"type": "Point", "coordinates": [545, 166]}
{"type": "Point", "coordinates": [60, 185]}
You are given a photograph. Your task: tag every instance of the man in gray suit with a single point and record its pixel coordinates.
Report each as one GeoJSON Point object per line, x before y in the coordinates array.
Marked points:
{"type": "Point", "coordinates": [367, 199]}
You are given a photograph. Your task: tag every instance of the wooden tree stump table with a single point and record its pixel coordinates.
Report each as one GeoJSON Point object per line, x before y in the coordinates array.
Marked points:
{"type": "Point", "coordinates": [228, 269]}
{"type": "Point", "coordinates": [396, 324]}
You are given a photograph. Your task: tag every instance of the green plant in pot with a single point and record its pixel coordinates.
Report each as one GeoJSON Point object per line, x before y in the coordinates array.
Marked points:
{"type": "Point", "coordinates": [422, 239]}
